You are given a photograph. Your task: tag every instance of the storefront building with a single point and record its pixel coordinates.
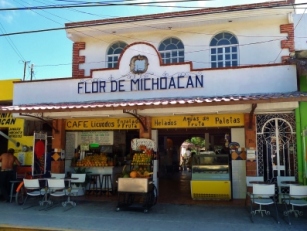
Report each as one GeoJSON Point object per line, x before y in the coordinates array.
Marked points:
{"type": "Point", "coordinates": [209, 72]}
{"type": "Point", "coordinates": [12, 129]}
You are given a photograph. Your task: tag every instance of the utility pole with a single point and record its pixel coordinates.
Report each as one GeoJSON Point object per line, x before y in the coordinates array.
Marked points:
{"type": "Point", "coordinates": [31, 71]}
{"type": "Point", "coordinates": [24, 69]}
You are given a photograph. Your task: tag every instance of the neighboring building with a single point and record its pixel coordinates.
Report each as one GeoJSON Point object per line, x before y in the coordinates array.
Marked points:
{"type": "Point", "coordinates": [13, 130]}
{"type": "Point", "coordinates": [216, 73]}
{"type": "Point", "coordinates": [299, 57]}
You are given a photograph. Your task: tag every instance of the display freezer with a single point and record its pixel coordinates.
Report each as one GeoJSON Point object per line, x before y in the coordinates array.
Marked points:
{"type": "Point", "coordinates": [211, 177]}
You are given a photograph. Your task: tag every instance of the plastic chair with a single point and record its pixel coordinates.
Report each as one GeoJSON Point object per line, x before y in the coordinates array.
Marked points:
{"type": "Point", "coordinates": [249, 185]}
{"type": "Point", "coordinates": [283, 186]}
{"type": "Point", "coordinates": [297, 197]}
{"type": "Point", "coordinates": [33, 189]}
{"type": "Point", "coordinates": [57, 188]}
{"type": "Point", "coordinates": [263, 195]}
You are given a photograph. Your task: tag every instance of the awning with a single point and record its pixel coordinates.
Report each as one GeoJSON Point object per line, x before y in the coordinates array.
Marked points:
{"type": "Point", "coordinates": [157, 103]}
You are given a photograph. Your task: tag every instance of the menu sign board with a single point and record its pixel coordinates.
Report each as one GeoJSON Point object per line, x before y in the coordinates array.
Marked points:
{"type": "Point", "coordinates": [194, 121]}
{"type": "Point", "coordinates": [102, 124]}
{"type": "Point", "coordinates": [97, 137]}
{"type": "Point", "coordinates": [189, 121]}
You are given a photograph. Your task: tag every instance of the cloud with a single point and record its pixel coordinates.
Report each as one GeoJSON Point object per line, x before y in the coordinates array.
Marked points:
{"type": "Point", "coordinates": [302, 8]}
{"type": "Point", "coordinates": [7, 16]}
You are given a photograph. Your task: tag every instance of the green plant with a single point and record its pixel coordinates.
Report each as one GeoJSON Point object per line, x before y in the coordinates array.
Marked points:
{"type": "Point", "coordinates": [81, 170]}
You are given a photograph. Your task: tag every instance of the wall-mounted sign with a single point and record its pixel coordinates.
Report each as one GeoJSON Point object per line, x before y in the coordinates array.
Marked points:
{"type": "Point", "coordinates": [102, 124]}
{"type": "Point", "coordinates": [195, 121]}
{"type": "Point", "coordinates": [92, 86]}
{"type": "Point", "coordinates": [97, 137]}
{"type": "Point", "coordinates": [250, 154]}
{"type": "Point", "coordinates": [7, 120]}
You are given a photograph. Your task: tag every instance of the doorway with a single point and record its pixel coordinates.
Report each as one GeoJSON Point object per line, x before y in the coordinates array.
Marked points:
{"type": "Point", "coordinates": [3, 141]}
{"type": "Point", "coordinates": [276, 143]}
{"type": "Point", "coordinates": [174, 185]}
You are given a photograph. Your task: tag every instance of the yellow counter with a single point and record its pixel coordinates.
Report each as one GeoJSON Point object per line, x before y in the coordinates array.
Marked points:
{"type": "Point", "coordinates": [210, 190]}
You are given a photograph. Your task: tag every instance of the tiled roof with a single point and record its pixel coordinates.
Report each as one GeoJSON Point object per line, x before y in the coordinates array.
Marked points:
{"type": "Point", "coordinates": [165, 102]}
{"type": "Point", "coordinates": [211, 10]}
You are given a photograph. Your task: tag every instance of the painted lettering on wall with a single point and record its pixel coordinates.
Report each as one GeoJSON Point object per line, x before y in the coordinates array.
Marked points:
{"type": "Point", "coordinates": [7, 119]}
{"type": "Point", "coordinates": [227, 120]}
{"type": "Point", "coordinates": [102, 124]}
{"type": "Point", "coordinates": [15, 133]}
{"type": "Point", "coordinates": [92, 86]}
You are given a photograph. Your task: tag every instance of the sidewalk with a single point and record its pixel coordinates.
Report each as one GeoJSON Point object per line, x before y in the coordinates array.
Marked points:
{"type": "Point", "coordinates": [102, 215]}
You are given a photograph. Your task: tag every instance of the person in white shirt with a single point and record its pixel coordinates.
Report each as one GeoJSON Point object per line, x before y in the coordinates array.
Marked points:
{"type": "Point", "coordinates": [185, 158]}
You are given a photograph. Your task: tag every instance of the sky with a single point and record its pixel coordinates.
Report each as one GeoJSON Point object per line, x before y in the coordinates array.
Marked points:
{"type": "Point", "coordinates": [49, 54]}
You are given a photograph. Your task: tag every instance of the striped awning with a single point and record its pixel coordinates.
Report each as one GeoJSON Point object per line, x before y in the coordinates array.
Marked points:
{"type": "Point", "coordinates": [158, 102]}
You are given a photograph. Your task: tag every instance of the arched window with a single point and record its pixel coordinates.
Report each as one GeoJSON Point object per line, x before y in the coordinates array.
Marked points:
{"type": "Point", "coordinates": [224, 50]}
{"type": "Point", "coordinates": [172, 51]}
{"type": "Point", "coordinates": [114, 52]}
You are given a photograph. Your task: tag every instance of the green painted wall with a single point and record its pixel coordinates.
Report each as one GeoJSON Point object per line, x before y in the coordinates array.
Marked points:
{"type": "Point", "coordinates": [301, 118]}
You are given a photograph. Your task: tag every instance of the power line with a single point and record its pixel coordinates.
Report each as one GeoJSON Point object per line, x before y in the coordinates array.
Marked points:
{"type": "Point", "coordinates": [151, 4]}
{"type": "Point", "coordinates": [52, 29]}
{"type": "Point", "coordinates": [100, 4]}
{"type": "Point", "coordinates": [9, 40]}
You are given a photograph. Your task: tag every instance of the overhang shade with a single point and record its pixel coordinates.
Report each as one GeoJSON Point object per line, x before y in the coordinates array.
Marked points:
{"type": "Point", "coordinates": [158, 103]}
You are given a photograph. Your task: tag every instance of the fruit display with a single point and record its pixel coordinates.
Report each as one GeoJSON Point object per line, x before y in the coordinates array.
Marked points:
{"type": "Point", "coordinates": [136, 173]}
{"type": "Point", "coordinates": [141, 164]}
{"type": "Point", "coordinates": [141, 159]}
{"type": "Point", "coordinates": [94, 161]}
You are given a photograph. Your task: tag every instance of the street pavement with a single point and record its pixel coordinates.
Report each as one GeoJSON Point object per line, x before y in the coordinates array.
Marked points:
{"type": "Point", "coordinates": [91, 215]}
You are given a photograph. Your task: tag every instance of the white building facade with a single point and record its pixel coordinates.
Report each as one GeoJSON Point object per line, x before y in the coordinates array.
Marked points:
{"type": "Point", "coordinates": [225, 68]}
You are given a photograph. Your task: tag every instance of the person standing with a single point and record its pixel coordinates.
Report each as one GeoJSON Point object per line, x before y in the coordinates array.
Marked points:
{"type": "Point", "coordinates": [184, 159]}
{"type": "Point", "coordinates": [7, 172]}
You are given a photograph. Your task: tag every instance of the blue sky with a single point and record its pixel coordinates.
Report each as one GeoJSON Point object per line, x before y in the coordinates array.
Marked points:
{"type": "Point", "coordinates": [51, 52]}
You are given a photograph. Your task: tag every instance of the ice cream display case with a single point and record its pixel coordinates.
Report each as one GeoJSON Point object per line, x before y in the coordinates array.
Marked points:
{"type": "Point", "coordinates": [211, 177]}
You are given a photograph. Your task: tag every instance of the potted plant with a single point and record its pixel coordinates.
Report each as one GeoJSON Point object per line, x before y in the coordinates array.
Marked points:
{"type": "Point", "coordinates": [78, 188]}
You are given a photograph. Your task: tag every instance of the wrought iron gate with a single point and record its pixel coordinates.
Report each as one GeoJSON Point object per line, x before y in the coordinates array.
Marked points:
{"type": "Point", "coordinates": [276, 145]}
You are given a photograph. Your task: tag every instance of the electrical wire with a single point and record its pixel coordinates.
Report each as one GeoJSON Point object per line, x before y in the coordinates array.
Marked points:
{"type": "Point", "coordinates": [102, 4]}
{"type": "Point", "coordinates": [11, 43]}
{"type": "Point", "coordinates": [129, 37]}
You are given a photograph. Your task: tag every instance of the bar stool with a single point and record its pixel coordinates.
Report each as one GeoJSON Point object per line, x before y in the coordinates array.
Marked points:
{"type": "Point", "coordinates": [107, 185]}
{"type": "Point", "coordinates": [94, 183]}
{"type": "Point", "coordinates": [14, 184]}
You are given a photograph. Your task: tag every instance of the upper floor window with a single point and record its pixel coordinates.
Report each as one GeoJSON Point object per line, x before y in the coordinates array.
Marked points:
{"type": "Point", "coordinates": [224, 50]}
{"type": "Point", "coordinates": [171, 51]}
{"type": "Point", "coordinates": [114, 52]}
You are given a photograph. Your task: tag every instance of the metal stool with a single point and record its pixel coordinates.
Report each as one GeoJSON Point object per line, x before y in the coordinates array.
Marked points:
{"type": "Point", "coordinates": [107, 185]}
{"type": "Point", "coordinates": [14, 184]}
{"type": "Point", "coordinates": [94, 183]}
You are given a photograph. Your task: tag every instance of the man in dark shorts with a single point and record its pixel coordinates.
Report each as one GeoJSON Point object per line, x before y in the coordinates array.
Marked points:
{"type": "Point", "coordinates": [7, 172]}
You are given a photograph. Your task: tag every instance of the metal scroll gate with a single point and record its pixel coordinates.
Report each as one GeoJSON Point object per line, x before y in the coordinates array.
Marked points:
{"type": "Point", "coordinates": [276, 146]}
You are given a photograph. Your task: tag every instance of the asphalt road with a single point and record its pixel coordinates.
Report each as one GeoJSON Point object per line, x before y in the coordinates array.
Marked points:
{"type": "Point", "coordinates": [103, 216]}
